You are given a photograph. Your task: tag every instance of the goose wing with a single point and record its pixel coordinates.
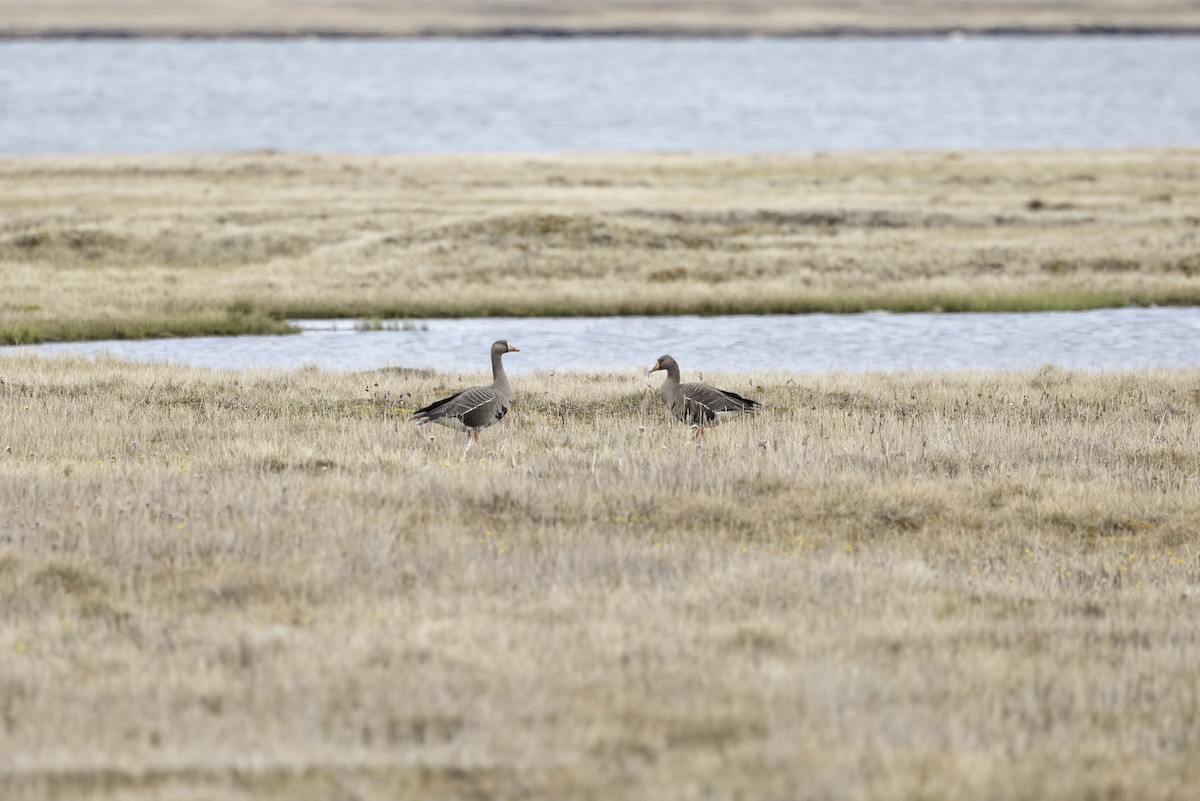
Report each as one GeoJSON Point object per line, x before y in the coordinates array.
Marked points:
{"type": "Point", "coordinates": [472, 408]}
{"type": "Point", "coordinates": [703, 404]}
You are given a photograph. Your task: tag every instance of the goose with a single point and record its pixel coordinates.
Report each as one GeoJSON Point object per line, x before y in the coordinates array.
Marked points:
{"type": "Point", "coordinates": [475, 408]}
{"type": "Point", "coordinates": [699, 405]}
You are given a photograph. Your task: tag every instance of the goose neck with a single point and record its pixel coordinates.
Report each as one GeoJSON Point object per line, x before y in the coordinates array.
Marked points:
{"type": "Point", "coordinates": [499, 377]}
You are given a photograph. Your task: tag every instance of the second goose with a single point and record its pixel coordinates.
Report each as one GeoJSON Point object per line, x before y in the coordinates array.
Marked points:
{"type": "Point", "coordinates": [475, 408]}
{"type": "Point", "coordinates": [699, 405]}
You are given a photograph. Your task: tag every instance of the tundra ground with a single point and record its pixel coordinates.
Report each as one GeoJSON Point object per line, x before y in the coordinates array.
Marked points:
{"type": "Point", "coordinates": [272, 585]}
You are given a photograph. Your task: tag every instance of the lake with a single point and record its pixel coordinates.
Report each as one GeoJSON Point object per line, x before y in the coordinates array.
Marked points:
{"type": "Point", "coordinates": [597, 94]}
{"type": "Point", "coordinates": [1127, 338]}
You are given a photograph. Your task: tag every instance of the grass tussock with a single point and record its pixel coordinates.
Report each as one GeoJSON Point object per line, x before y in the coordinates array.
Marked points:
{"type": "Point", "coordinates": [180, 245]}
{"type": "Point", "coordinates": [272, 584]}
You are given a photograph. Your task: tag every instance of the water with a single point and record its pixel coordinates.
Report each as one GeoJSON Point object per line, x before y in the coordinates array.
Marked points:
{"type": "Point", "coordinates": [1105, 339]}
{"type": "Point", "coordinates": [644, 94]}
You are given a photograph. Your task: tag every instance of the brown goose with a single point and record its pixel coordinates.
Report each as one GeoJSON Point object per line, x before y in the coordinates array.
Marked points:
{"type": "Point", "coordinates": [475, 408]}
{"type": "Point", "coordinates": [699, 405]}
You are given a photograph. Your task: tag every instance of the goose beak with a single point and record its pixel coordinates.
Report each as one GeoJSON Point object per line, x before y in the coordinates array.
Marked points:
{"type": "Point", "coordinates": [653, 368]}
{"type": "Point", "coordinates": [513, 349]}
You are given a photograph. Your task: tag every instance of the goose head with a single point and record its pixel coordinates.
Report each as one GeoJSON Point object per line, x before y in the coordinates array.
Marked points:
{"type": "Point", "coordinates": [663, 363]}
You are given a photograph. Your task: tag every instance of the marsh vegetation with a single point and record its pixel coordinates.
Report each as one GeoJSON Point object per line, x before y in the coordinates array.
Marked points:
{"type": "Point", "coordinates": [271, 584]}
{"type": "Point", "coordinates": [97, 247]}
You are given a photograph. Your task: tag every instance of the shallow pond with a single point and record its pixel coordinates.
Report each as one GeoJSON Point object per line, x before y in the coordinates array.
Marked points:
{"type": "Point", "coordinates": [597, 94]}
{"type": "Point", "coordinates": [1102, 339]}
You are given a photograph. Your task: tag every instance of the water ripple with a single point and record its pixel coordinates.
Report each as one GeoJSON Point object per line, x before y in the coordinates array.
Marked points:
{"type": "Point", "coordinates": [589, 94]}
{"type": "Point", "coordinates": [1129, 338]}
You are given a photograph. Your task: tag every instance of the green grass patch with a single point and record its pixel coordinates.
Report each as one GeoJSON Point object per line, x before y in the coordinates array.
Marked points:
{"type": "Point", "coordinates": [191, 325]}
{"type": "Point", "coordinates": [380, 317]}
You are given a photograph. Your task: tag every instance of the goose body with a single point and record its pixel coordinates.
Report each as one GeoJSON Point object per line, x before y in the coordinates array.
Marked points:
{"type": "Point", "coordinates": [699, 405]}
{"type": "Point", "coordinates": [474, 408]}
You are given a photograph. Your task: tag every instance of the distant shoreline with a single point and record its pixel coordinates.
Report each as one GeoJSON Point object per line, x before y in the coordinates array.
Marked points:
{"type": "Point", "coordinates": [534, 32]}
{"type": "Point", "coordinates": [82, 19]}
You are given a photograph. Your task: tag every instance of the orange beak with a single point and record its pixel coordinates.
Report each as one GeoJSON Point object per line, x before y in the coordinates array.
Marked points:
{"type": "Point", "coordinates": [512, 349]}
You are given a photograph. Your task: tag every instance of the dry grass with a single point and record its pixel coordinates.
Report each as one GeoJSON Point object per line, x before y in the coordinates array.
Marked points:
{"type": "Point", "coordinates": [98, 246]}
{"type": "Point", "coordinates": [673, 17]}
{"type": "Point", "coordinates": [272, 585]}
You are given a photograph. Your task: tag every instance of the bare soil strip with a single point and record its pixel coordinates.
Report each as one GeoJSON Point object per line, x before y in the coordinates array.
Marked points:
{"type": "Point", "coordinates": [605, 17]}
